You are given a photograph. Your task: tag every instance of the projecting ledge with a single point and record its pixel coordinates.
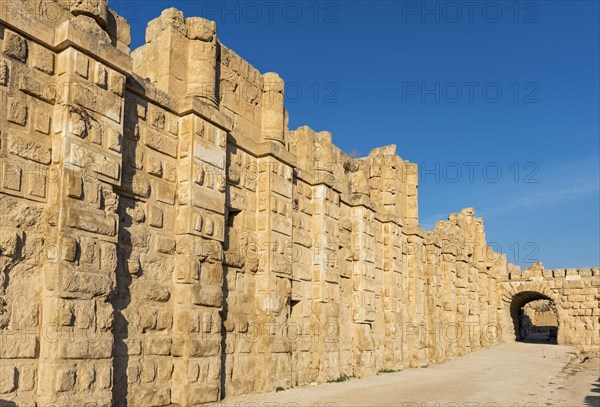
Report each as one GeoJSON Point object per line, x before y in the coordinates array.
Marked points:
{"type": "Point", "coordinates": [194, 104]}
{"type": "Point", "coordinates": [68, 34]}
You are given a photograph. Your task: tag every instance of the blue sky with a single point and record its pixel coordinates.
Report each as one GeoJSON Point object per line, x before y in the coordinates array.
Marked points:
{"type": "Point", "coordinates": [498, 102]}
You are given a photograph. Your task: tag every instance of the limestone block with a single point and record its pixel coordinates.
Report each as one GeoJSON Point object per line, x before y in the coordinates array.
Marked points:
{"type": "Point", "coordinates": [18, 346]}
{"type": "Point", "coordinates": [208, 296]}
{"type": "Point", "coordinates": [64, 378]}
{"type": "Point", "coordinates": [84, 284]}
{"type": "Point", "coordinates": [82, 64]}
{"type": "Point", "coordinates": [42, 122]}
{"type": "Point", "coordinates": [201, 29]}
{"type": "Point", "coordinates": [207, 346]}
{"type": "Point", "coordinates": [11, 176]}
{"type": "Point", "coordinates": [68, 248]}
{"type": "Point", "coordinates": [155, 345]}
{"type": "Point", "coordinates": [91, 221]}
{"type": "Point", "coordinates": [154, 165]}
{"type": "Point", "coordinates": [116, 83]}
{"type": "Point", "coordinates": [100, 75]}
{"type": "Point", "coordinates": [197, 394]}
{"type": "Point", "coordinates": [17, 112]}
{"type": "Point", "coordinates": [102, 164]}
{"type": "Point", "coordinates": [165, 245]}
{"type": "Point", "coordinates": [3, 72]}
{"type": "Point", "coordinates": [141, 187]}
{"type": "Point", "coordinates": [43, 59]}
{"type": "Point", "coordinates": [97, 9]}
{"type": "Point", "coordinates": [38, 89]}
{"type": "Point", "coordinates": [150, 396]}
{"type": "Point", "coordinates": [8, 379]}
{"type": "Point", "coordinates": [27, 377]}
{"type": "Point", "coordinates": [15, 46]}
{"type": "Point", "coordinates": [160, 143]}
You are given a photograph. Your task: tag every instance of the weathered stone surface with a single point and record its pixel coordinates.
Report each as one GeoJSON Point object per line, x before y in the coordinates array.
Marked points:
{"type": "Point", "coordinates": [163, 232]}
{"type": "Point", "coordinates": [43, 59]}
{"type": "Point", "coordinates": [3, 73]}
{"type": "Point", "coordinates": [150, 396]}
{"type": "Point", "coordinates": [8, 379]}
{"type": "Point", "coordinates": [91, 221]}
{"type": "Point", "coordinates": [28, 149]}
{"type": "Point", "coordinates": [17, 346]}
{"type": "Point", "coordinates": [38, 89]}
{"type": "Point", "coordinates": [17, 112]}
{"type": "Point", "coordinates": [15, 46]}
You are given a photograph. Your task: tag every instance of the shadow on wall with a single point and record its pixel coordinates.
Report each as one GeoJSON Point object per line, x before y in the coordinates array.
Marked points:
{"type": "Point", "coordinates": [6, 403]}
{"type": "Point", "coordinates": [120, 301]}
{"type": "Point", "coordinates": [128, 265]}
{"type": "Point", "coordinates": [594, 401]}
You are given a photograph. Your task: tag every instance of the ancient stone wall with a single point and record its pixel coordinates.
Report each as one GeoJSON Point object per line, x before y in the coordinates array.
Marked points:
{"type": "Point", "coordinates": [167, 240]}
{"type": "Point", "coordinates": [541, 313]}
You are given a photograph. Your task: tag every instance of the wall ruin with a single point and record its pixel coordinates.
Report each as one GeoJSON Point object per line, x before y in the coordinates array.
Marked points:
{"type": "Point", "coordinates": [167, 240]}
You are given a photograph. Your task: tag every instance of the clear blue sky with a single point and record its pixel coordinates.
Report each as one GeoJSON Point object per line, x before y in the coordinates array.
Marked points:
{"type": "Point", "coordinates": [465, 89]}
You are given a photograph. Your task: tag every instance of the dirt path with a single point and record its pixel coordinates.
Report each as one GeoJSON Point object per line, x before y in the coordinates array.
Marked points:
{"type": "Point", "coordinates": [515, 375]}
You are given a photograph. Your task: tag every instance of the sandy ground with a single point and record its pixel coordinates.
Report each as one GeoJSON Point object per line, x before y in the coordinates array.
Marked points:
{"type": "Point", "coordinates": [515, 375]}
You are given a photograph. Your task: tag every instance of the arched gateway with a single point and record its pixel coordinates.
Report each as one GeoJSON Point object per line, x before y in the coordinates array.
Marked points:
{"type": "Point", "coordinates": [574, 293]}
{"type": "Point", "coordinates": [522, 323]}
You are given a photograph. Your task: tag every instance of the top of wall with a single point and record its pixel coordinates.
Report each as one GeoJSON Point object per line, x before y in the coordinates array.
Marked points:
{"type": "Point", "coordinates": [537, 271]}
{"type": "Point", "coordinates": [247, 104]}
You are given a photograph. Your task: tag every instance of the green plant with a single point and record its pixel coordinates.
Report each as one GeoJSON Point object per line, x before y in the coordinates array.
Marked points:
{"type": "Point", "coordinates": [340, 379]}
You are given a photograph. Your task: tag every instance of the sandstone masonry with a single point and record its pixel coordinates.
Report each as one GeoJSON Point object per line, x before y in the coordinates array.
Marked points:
{"type": "Point", "coordinates": [166, 240]}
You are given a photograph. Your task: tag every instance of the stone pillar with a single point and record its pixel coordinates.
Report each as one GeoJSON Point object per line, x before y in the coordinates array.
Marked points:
{"type": "Point", "coordinates": [415, 329]}
{"type": "Point", "coordinates": [164, 57]}
{"type": "Point", "coordinates": [202, 59]}
{"type": "Point", "coordinates": [273, 278]}
{"type": "Point", "coordinates": [198, 277]}
{"type": "Point", "coordinates": [273, 113]}
{"type": "Point", "coordinates": [488, 322]}
{"type": "Point", "coordinates": [363, 296]}
{"type": "Point", "coordinates": [302, 318]}
{"type": "Point", "coordinates": [76, 358]}
{"type": "Point", "coordinates": [475, 315]}
{"type": "Point", "coordinates": [325, 277]}
{"type": "Point", "coordinates": [494, 329]}
{"type": "Point", "coordinates": [433, 299]}
{"type": "Point", "coordinates": [412, 204]}
{"type": "Point", "coordinates": [449, 324]}
{"type": "Point", "coordinates": [392, 295]}
{"type": "Point", "coordinates": [462, 284]}
{"type": "Point", "coordinates": [346, 257]}
{"type": "Point", "coordinates": [27, 174]}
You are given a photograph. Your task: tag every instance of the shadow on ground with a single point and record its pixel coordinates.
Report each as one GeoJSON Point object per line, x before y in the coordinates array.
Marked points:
{"type": "Point", "coordinates": [594, 401]}
{"type": "Point", "coordinates": [539, 338]}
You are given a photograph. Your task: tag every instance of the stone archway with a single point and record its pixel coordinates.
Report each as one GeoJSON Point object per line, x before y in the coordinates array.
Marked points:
{"type": "Point", "coordinates": [518, 315]}
{"type": "Point", "coordinates": [516, 296]}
